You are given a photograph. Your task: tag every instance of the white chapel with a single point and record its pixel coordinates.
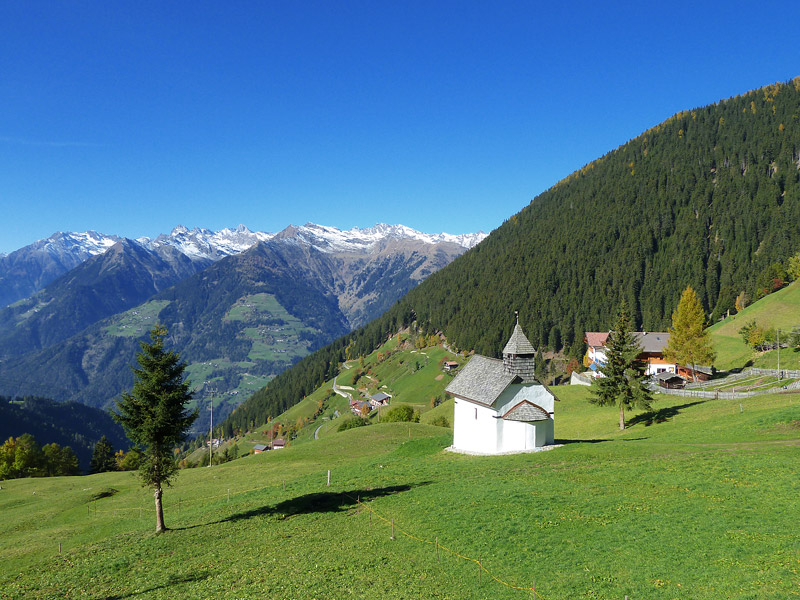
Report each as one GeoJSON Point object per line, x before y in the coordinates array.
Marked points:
{"type": "Point", "coordinates": [499, 405]}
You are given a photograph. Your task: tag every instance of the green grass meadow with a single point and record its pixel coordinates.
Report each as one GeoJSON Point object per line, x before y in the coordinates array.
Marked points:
{"type": "Point", "coordinates": [698, 499]}
{"type": "Point", "coordinates": [780, 310]}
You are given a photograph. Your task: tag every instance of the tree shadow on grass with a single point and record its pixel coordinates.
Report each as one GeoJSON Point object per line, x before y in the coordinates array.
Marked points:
{"type": "Point", "coordinates": [320, 502]}
{"type": "Point", "coordinates": [172, 580]}
{"type": "Point", "coordinates": [661, 415]}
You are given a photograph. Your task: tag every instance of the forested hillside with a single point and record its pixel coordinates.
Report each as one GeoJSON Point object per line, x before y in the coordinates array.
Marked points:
{"type": "Point", "coordinates": [709, 198]}
{"type": "Point", "coordinates": [64, 423]}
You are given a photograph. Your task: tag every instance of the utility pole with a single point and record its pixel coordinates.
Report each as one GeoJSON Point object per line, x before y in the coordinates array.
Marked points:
{"type": "Point", "coordinates": [778, 334]}
{"type": "Point", "coordinates": [211, 430]}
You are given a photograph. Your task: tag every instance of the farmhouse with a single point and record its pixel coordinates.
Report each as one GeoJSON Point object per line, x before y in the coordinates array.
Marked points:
{"type": "Point", "coordinates": [652, 344]}
{"type": "Point", "coordinates": [499, 406]}
{"type": "Point", "coordinates": [379, 399]}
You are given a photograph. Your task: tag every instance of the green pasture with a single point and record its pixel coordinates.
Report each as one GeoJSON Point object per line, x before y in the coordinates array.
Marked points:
{"type": "Point", "coordinates": [780, 310]}
{"type": "Point", "coordinates": [697, 499]}
{"type": "Point", "coordinates": [137, 321]}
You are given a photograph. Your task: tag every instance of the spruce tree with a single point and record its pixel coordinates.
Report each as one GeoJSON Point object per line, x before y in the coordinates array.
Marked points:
{"type": "Point", "coordinates": [623, 381]}
{"type": "Point", "coordinates": [103, 457]}
{"type": "Point", "coordinates": [689, 343]}
{"type": "Point", "coordinates": [154, 415]}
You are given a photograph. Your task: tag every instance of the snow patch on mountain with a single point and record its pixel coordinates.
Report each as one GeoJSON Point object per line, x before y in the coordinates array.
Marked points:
{"type": "Point", "coordinates": [332, 239]}
{"type": "Point", "coordinates": [78, 245]}
{"type": "Point", "coordinates": [202, 243]}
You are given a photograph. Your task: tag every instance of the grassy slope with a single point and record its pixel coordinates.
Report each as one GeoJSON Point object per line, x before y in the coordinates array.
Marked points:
{"type": "Point", "coordinates": [701, 503]}
{"type": "Point", "coordinates": [780, 310]}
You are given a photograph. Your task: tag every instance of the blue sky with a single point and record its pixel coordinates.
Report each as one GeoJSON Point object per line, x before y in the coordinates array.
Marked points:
{"type": "Point", "coordinates": [133, 117]}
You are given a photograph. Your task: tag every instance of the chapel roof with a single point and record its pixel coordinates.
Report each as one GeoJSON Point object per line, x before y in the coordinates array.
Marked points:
{"type": "Point", "coordinates": [526, 411]}
{"type": "Point", "coordinates": [482, 380]}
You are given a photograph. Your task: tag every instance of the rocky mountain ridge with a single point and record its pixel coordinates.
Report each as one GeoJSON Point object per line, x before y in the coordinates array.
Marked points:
{"type": "Point", "coordinates": [29, 269]}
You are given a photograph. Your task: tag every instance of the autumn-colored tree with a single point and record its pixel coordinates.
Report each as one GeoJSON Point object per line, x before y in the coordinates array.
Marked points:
{"type": "Point", "coordinates": [793, 267]}
{"type": "Point", "coordinates": [689, 343]}
{"type": "Point", "coordinates": [741, 302]}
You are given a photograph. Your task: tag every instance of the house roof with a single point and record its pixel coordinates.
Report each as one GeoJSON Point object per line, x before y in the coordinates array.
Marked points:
{"type": "Point", "coordinates": [526, 411]}
{"type": "Point", "coordinates": [260, 447]}
{"type": "Point", "coordinates": [481, 380]}
{"type": "Point", "coordinates": [652, 341]}
{"type": "Point", "coordinates": [649, 341]}
{"type": "Point", "coordinates": [380, 397]}
{"type": "Point", "coordinates": [518, 343]}
{"type": "Point", "coordinates": [667, 376]}
{"type": "Point", "coordinates": [596, 339]}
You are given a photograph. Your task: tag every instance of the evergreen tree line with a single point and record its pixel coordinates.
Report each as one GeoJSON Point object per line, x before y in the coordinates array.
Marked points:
{"type": "Point", "coordinates": [710, 198]}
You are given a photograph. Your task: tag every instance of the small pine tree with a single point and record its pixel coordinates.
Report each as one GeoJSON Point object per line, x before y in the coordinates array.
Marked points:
{"type": "Point", "coordinates": [623, 381]}
{"type": "Point", "coordinates": [154, 415]}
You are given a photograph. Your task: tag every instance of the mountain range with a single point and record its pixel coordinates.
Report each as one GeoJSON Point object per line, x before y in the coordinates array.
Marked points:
{"type": "Point", "coordinates": [240, 306]}
{"type": "Point", "coordinates": [709, 198]}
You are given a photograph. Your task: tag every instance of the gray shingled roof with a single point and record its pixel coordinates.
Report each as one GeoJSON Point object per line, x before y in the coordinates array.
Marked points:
{"type": "Point", "coordinates": [482, 380]}
{"type": "Point", "coordinates": [526, 411]}
{"type": "Point", "coordinates": [666, 376]}
{"type": "Point", "coordinates": [518, 344]}
{"type": "Point", "coordinates": [653, 341]}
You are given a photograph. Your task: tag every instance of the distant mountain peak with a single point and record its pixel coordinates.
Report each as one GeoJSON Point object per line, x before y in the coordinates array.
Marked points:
{"type": "Point", "coordinates": [326, 238]}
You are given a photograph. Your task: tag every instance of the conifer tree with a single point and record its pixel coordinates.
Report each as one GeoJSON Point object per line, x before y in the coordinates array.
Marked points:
{"type": "Point", "coordinates": [154, 415]}
{"type": "Point", "coordinates": [623, 381]}
{"type": "Point", "coordinates": [689, 343]}
{"type": "Point", "coordinates": [103, 459]}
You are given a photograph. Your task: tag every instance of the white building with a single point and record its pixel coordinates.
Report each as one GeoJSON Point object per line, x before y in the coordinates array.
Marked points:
{"type": "Point", "coordinates": [499, 406]}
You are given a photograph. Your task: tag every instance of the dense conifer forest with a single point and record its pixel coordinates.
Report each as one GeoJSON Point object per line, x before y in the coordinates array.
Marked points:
{"type": "Point", "coordinates": [709, 198]}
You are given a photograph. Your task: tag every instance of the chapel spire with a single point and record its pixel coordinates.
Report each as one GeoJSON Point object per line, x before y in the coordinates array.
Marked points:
{"type": "Point", "coordinates": [519, 354]}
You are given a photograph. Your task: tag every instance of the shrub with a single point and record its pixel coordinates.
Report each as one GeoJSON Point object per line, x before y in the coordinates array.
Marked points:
{"type": "Point", "coordinates": [441, 421]}
{"type": "Point", "coordinates": [402, 413]}
{"type": "Point", "coordinates": [351, 423]}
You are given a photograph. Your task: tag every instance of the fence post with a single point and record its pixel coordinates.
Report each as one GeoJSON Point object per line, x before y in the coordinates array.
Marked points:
{"type": "Point", "coordinates": [329, 478]}
{"type": "Point", "coordinates": [392, 530]}
{"type": "Point", "coordinates": [437, 549]}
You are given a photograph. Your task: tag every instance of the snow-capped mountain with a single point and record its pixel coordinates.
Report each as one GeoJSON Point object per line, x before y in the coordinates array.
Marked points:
{"type": "Point", "coordinates": [204, 243]}
{"type": "Point", "coordinates": [31, 268]}
{"type": "Point", "coordinates": [327, 279]}
{"type": "Point", "coordinates": [331, 239]}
